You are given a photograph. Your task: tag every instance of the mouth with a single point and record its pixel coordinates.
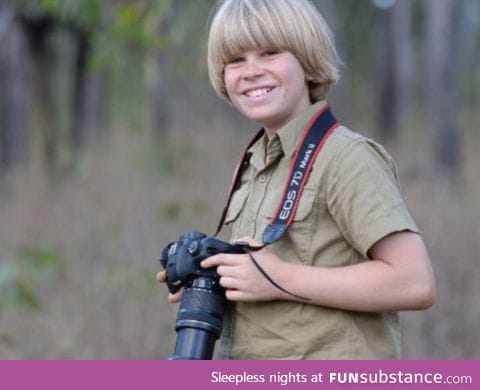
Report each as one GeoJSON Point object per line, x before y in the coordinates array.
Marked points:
{"type": "Point", "coordinates": [258, 92]}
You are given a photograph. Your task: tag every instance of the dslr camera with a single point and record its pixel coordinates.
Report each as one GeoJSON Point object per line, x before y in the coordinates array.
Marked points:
{"type": "Point", "coordinates": [200, 317]}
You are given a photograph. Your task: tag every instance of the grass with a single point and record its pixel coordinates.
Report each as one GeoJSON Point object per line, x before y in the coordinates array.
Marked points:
{"type": "Point", "coordinates": [109, 223]}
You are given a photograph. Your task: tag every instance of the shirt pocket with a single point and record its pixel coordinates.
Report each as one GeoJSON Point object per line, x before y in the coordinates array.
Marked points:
{"type": "Point", "coordinates": [305, 207]}
{"type": "Point", "coordinates": [237, 205]}
{"type": "Point", "coordinates": [295, 245]}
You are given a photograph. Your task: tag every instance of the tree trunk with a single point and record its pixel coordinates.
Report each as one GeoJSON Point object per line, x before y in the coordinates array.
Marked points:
{"type": "Point", "coordinates": [13, 99]}
{"type": "Point", "coordinates": [39, 28]}
{"type": "Point", "coordinates": [468, 55]}
{"type": "Point", "coordinates": [88, 96]}
{"type": "Point", "coordinates": [160, 104]}
{"type": "Point", "coordinates": [441, 94]}
{"type": "Point", "coordinates": [396, 68]}
{"type": "Point", "coordinates": [160, 107]}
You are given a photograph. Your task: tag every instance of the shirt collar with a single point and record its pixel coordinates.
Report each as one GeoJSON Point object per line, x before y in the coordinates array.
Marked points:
{"type": "Point", "coordinates": [291, 133]}
{"type": "Point", "coordinates": [288, 135]}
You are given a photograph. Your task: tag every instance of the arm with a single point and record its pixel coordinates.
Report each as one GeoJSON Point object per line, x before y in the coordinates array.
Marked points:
{"type": "Point", "coordinates": [398, 277]}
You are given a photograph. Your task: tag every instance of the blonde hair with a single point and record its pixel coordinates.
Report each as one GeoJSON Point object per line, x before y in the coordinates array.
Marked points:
{"type": "Point", "coordinates": [286, 25]}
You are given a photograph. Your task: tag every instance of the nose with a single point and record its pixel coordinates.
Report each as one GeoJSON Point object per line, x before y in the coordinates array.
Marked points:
{"type": "Point", "coordinates": [252, 68]}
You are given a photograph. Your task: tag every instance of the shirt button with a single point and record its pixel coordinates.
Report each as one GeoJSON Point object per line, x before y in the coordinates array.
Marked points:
{"type": "Point", "coordinates": [262, 178]}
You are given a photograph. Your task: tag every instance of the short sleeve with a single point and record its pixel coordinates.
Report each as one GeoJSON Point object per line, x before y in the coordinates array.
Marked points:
{"type": "Point", "coordinates": [363, 195]}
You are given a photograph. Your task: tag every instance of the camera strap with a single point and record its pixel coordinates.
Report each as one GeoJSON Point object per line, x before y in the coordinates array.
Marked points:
{"type": "Point", "coordinates": [319, 128]}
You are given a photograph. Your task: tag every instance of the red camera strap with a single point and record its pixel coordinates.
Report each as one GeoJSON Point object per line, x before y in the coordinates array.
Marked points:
{"type": "Point", "coordinates": [314, 136]}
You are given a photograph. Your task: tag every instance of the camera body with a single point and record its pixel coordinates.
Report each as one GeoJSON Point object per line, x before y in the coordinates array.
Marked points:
{"type": "Point", "coordinates": [200, 317]}
{"type": "Point", "coordinates": [181, 259]}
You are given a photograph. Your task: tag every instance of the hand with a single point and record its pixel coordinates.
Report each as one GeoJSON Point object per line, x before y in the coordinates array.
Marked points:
{"type": "Point", "coordinates": [172, 298]}
{"type": "Point", "coordinates": [240, 277]}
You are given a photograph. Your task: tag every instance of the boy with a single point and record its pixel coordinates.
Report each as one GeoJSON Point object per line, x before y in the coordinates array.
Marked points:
{"type": "Point", "coordinates": [352, 255]}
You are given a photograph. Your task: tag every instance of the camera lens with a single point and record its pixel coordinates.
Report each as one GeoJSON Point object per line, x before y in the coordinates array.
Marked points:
{"type": "Point", "coordinates": [200, 319]}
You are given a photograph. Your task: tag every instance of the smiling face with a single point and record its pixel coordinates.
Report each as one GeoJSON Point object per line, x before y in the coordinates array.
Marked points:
{"type": "Point", "coordinates": [267, 86]}
{"type": "Point", "coordinates": [288, 26]}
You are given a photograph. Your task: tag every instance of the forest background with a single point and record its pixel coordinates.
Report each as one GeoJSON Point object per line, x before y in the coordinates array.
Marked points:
{"type": "Point", "coordinates": [112, 143]}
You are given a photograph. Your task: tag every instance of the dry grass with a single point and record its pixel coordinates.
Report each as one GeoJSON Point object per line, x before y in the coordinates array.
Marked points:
{"type": "Point", "coordinates": [129, 199]}
{"type": "Point", "coordinates": [448, 212]}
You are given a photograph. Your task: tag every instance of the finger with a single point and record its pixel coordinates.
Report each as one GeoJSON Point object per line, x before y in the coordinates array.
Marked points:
{"type": "Point", "coordinates": [235, 295]}
{"type": "Point", "coordinates": [175, 298]}
{"type": "Point", "coordinates": [229, 283]}
{"type": "Point", "coordinates": [220, 259]}
{"type": "Point", "coordinates": [209, 262]}
{"type": "Point", "coordinates": [226, 270]}
{"type": "Point", "coordinates": [162, 276]}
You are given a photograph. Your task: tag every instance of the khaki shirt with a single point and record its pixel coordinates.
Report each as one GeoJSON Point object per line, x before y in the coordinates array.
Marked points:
{"type": "Point", "coordinates": [351, 201]}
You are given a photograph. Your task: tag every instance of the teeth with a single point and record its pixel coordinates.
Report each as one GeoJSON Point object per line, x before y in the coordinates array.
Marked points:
{"type": "Point", "coordinates": [258, 92]}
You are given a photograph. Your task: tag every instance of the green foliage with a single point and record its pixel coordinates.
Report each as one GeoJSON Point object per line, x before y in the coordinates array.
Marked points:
{"type": "Point", "coordinates": [109, 23]}
{"type": "Point", "coordinates": [19, 278]}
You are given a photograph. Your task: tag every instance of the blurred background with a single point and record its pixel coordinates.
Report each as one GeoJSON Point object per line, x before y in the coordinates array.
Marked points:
{"type": "Point", "coordinates": [112, 143]}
